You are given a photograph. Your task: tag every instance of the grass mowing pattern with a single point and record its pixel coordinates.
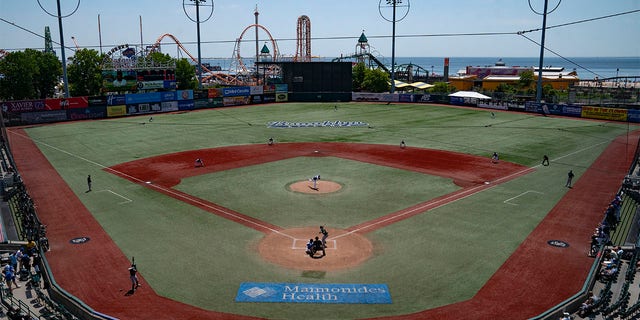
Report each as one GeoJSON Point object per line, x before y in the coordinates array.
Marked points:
{"type": "Point", "coordinates": [195, 257]}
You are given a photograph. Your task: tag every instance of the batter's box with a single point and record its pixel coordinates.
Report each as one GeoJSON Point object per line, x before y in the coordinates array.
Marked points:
{"type": "Point", "coordinates": [301, 244]}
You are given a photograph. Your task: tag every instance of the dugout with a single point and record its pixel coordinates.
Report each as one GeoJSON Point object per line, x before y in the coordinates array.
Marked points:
{"type": "Point", "coordinates": [315, 81]}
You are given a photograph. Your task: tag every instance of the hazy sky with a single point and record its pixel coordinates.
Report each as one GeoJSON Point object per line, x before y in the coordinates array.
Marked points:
{"type": "Point", "coordinates": [335, 26]}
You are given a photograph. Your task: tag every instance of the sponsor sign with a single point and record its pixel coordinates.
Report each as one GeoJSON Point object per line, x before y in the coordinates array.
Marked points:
{"type": "Point", "coordinates": [282, 96]}
{"type": "Point", "coordinates": [235, 101]}
{"type": "Point", "coordinates": [23, 106]}
{"type": "Point", "coordinates": [314, 293]}
{"type": "Point", "coordinates": [79, 240]}
{"type": "Point", "coordinates": [168, 96]}
{"type": "Point", "coordinates": [270, 88]}
{"type": "Point", "coordinates": [144, 108]}
{"type": "Point", "coordinates": [87, 113]}
{"type": "Point", "coordinates": [282, 87]}
{"type": "Point", "coordinates": [558, 243]}
{"type": "Point", "coordinates": [185, 104]}
{"type": "Point", "coordinates": [256, 90]}
{"type": "Point", "coordinates": [405, 97]}
{"type": "Point", "coordinates": [142, 97]}
{"type": "Point", "coordinates": [214, 93]}
{"type": "Point", "coordinates": [169, 106]}
{"type": "Point", "coordinates": [97, 101]}
{"type": "Point", "coordinates": [383, 97]}
{"type": "Point", "coordinates": [286, 124]}
{"type": "Point", "coordinates": [200, 94]}
{"type": "Point", "coordinates": [116, 99]}
{"type": "Point", "coordinates": [236, 91]}
{"type": "Point", "coordinates": [44, 116]}
{"type": "Point", "coordinates": [66, 103]}
{"type": "Point", "coordinates": [116, 111]}
{"type": "Point", "coordinates": [604, 113]}
{"type": "Point", "coordinates": [208, 103]}
{"type": "Point", "coordinates": [150, 85]}
{"type": "Point", "coordinates": [269, 98]}
{"type": "Point", "coordinates": [185, 94]}
{"type": "Point", "coordinates": [633, 115]}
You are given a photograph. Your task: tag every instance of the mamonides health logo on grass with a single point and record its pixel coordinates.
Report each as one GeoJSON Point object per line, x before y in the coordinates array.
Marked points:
{"type": "Point", "coordinates": [314, 293]}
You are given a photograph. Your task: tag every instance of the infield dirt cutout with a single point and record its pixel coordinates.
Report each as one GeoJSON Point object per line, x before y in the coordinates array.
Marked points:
{"type": "Point", "coordinates": [287, 248]}
{"type": "Point", "coordinates": [322, 186]}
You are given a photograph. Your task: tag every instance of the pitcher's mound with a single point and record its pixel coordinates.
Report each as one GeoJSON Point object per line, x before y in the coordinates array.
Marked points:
{"type": "Point", "coordinates": [287, 248]}
{"type": "Point", "coordinates": [322, 186]}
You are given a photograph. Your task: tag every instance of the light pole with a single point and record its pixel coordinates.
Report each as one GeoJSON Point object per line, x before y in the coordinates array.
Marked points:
{"type": "Point", "coordinates": [394, 4]}
{"type": "Point", "coordinates": [197, 21]}
{"type": "Point", "coordinates": [62, 47]}
{"type": "Point", "coordinates": [544, 29]}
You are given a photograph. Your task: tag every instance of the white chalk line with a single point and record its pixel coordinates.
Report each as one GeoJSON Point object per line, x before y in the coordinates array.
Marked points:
{"type": "Point", "coordinates": [520, 195]}
{"type": "Point", "coordinates": [169, 191]}
{"type": "Point", "coordinates": [472, 191]}
{"type": "Point", "coordinates": [126, 200]}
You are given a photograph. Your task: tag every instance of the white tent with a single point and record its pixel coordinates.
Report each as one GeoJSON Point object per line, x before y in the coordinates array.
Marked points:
{"type": "Point", "coordinates": [469, 94]}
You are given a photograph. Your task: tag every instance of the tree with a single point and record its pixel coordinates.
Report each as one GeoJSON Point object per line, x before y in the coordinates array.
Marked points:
{"type": "Point", "coordinates": [186, 75]}
{"type": "Point", "coordinates": [17, 70]}
{"type": "Point", "coordinates": [441, 87]}
{"type": "Point", "coordinates": [85, 73]}
{"type": "Point", "coordinates": [48, 73]}
{"type": "Point", "coordinates": [526, 79]}
{"type": "Point", "coordinates": [376, 80]}
{"type": "Point", "coordinates": [357, 76]}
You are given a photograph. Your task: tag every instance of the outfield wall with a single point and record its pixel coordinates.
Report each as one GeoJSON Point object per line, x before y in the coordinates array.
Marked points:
{"type": "Point", "coordinates": [27, 112]}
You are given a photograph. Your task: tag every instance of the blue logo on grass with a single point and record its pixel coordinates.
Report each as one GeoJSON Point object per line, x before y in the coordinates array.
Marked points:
{"type": "Point", "coordinates": [314, 293]}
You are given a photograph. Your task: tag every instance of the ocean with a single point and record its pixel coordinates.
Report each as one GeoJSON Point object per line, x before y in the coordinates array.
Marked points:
{"type": "Point", "coordinates": [586, 67]}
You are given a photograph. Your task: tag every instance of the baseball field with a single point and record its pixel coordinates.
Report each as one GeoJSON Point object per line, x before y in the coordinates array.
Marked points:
{"type": "Point", "coordinates": [447, 232]}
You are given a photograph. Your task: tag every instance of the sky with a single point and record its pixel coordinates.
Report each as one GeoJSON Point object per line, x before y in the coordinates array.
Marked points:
{"type": "Point", "coordinates": [423, 28]}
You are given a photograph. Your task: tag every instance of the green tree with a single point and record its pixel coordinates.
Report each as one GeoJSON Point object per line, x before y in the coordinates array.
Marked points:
{"type": "Point", "coordinates": [17, 70]}
{"type": "Point", "coordinates": [506, 88]}
{"type": "Point", "coordinates": [160, 58]}
{"type": "Point", "coordinates": [441, 87]}
{"type": "Point", "coordinates": [186, 75]}
{"type": "Point", "coordinates": [357, 76]}
{"type": "Point", "coordinates": [526, 79]}
{"type": "Point", "coordinates": [85, 73]}
{"type": "Point", "coordinates": [48, 73]}
{"type": "Point", "coordinates": [376, 80]}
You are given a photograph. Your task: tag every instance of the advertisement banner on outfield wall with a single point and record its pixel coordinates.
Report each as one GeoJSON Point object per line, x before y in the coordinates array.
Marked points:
{"type": "Point", "coordinates": [553, 108]}
{"type": "Point", "coordinates": [633, 115]}
{"type": "Point", "coordinates": [236, 92]}
{"type": "Point", "coordinates": [405, 97]}
{"type": "Point", "coordinates": [604, 113]}
{"type": "Point", "coordinates": [168, 96]}
{"type": "Point", "coordinates": [97, 101]}
{"type": "Point", "coordinates": [208, 103]}
{"type": "Point", "coordinates": [116, 111]}
{"type": "Point", "coordinates": [66, 103]}
{"type": "Point", "coordinates": [374, 97]}
{"type": "Point", "coordinates": [185, 94]}
{"type": "Point", "coordinates": [270, 88]}
{"type": "Point", "coordinates": [282, 96]}
{"type": "Point", "coordinates": [44, 116]}
{"type": "Point", "coordinates": [214, 93]}
{"type": "Point", "coordinates": [23, 106]}
{"type": "Point", "coordinates": [142, 97]}
{"type": "Point", "coordinates": [87, 113]}
{"type": "Point", "coordinates": [256, 90]}
{"type": "Point", "coordinates": [185, 105]}
{"type": "Point", "coordinates": [282, 87]}
{"type": "Point", "coordinates": [235, 101]}
{"type": "Point", "coordinates": [167, 106]}
{"type": "Point", "coordinates": [142, 108]}
{"type": "Point", "coordinates": [200, 94]}
{"type": "Point", "coordinates": [116, 99]}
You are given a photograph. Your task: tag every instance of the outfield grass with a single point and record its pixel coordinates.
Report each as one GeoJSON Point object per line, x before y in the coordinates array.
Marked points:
{"type": "Point", "coordinates": [466, 241]}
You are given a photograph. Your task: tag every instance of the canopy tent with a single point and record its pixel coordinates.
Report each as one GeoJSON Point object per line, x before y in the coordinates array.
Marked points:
{"type": "Point", "coordinates": [421, 85]}
{"type": "Point", "coordinates": [469, 94]}
{"type": "Point", "coordinates": [400, 84]}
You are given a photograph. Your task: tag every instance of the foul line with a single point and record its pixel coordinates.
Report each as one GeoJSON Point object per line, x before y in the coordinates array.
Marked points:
{"type": "Point", "coordinates": [520, 195]}
{"type": "Point", "coordinates": [165, 190]}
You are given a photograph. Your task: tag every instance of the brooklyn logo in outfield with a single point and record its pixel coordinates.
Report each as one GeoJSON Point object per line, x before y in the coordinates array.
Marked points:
{"type": "Point", "coordinates": [314, 293]}
{"type": "Point", "coordinates": [286, 124]}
